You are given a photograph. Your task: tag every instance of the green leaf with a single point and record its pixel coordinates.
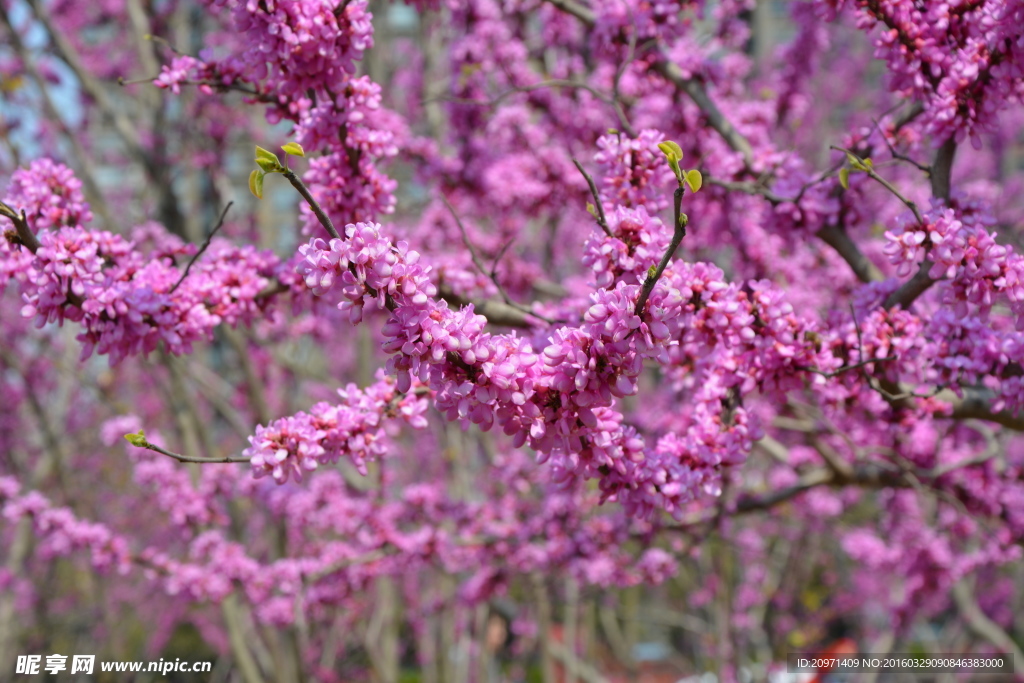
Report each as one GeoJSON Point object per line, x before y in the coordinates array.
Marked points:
{"type": "Point", "coordinates": [694, 179]}
{"type": "Point", "coordinates": [270, 166]}
{"type": "Point", "coordinates": [294, 148]}
{"type": "Point", "coordinates": [613, 131]}
{"type": "Point", "coordinates": [592, 210]}
{"type": "Point", "coordinates": [265, 154]}
{"type": "Point", "coordinates": [856, 162]}
{"type": "Point", "coordinates": [674, 165]}
{"type": "Point", "coordinates": [675, 148]}
{"type": "Point", "coordinates": [138, 440]}
{"type": "Point", "coordinates": [669, 151]}
{"type": "Point", "coordinates": [268, 161]}
{"type": "Point", "coordinates": [844, 178]}
{"type": "Point", "coordinates": [256, 183]}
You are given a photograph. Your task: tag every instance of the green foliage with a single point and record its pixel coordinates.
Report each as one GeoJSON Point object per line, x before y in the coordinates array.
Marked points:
{"type": "Point", "coordinates": [694, 179]}
{"type": "Point", "coordinates": [268, 161]}
{"type": "Point", "coordinates": [674, 154]}
{"type": "Point", "coordinates": [138, 440]}
{"type": "Point", "coordinates": [293, 148]}
{"type": "Point", "coordinates": [256, 182]}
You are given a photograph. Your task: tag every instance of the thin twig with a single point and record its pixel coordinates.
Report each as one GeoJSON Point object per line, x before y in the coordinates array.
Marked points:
{"type": "Point", "coordinates": [191, 458]}
{"type": "Point", "coordinates": [602, 220]}
{"type": "Point", "coordinates": [493, 271]}
{"type": "Point", "coordinates": [203, 248]}
{"type": "Point", "coordinates": [324, 219]}
{"type": "Point", "coordinates": [884, 183]}
{"type": "Point", "coordinates": [678, 234]}
{"type": "Point", "coordinates": [465, 238]}
{"type": "Point", "coordinates": [903, 157]}
{"type": "Point", "coordinates": [497, 259]}
{"type": "Point", "coordinates": [847, 368]}
{"type": "Point", "coordinates": [940, 181]}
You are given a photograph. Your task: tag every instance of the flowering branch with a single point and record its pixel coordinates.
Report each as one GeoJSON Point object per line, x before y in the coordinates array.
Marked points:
{"type": "Point", "coordinates": [674, 75]}
{"type": "Point", "coordinates": [684, 179]}
{"type": "Point", "coordinates": [680, 223]}
{"type": "Point", "coordinates": [940, 181]}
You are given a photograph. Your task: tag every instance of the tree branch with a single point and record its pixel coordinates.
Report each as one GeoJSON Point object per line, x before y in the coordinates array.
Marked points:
{"type": "Point", "coordinates": [496, 312]}
{"type": "Point", "coordinates": [324, 219]}
{"type": "Point", "coordinates": [204, 247]}
{"type": "Point", "coordinates": [602, 220]}
{"type": "Point", "coordinates": [837, 238]}
{"type": "Point", "coordinates": [674, 75]}
{"type": "Point", "coordinates": [678, 234]}
{"type": "Point", "coordinates": [699, 94]}
{"type": "Point", "coordinates": [979, 623]}
{"type": "Point", "coordinates": [187, 458]}
{"type": "Point", "coordinates": [941, 174]}
{"type": "Point", "coordinates": [25, 236]}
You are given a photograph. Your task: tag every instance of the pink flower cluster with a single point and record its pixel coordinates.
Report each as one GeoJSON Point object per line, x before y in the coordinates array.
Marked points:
{"type": "Point", "coordinates": [634, 172]}
{"type": "Point", "coordinates": [961, 249]}
{"type": "Point", "coordinates": [49, 194]}
{"type": "Point", "coordinates": [300, 57]}
{"type": "Point", "coordinates": [962, 61]}
{"type": "Point", "coordinates": [60, 531]}
{"type": "Point", "coordinates": [638, 243]}
{"type": "Point", "coordinates": [619, 21]}
{"type": "Point", "coordinates": [559, 400]}
{"type": "Point", "coordinates": [299, 45]}
{"type": "Point", "coordinates": [294, 445]}
{"type": "Point", "coordinates": [182, 70]}
{"type": "Point", "coordinates": [127, 303]}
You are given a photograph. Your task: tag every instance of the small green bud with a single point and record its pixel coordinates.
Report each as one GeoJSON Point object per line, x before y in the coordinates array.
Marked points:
{"type": "Point", "coordinates": [138, 440]}
{"type": "Point", "coordinates": [256, 183]}
{"type": "Point", "coordinates": [592, 210]}
{"type": "Point", "coordinates": [844, 178]}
